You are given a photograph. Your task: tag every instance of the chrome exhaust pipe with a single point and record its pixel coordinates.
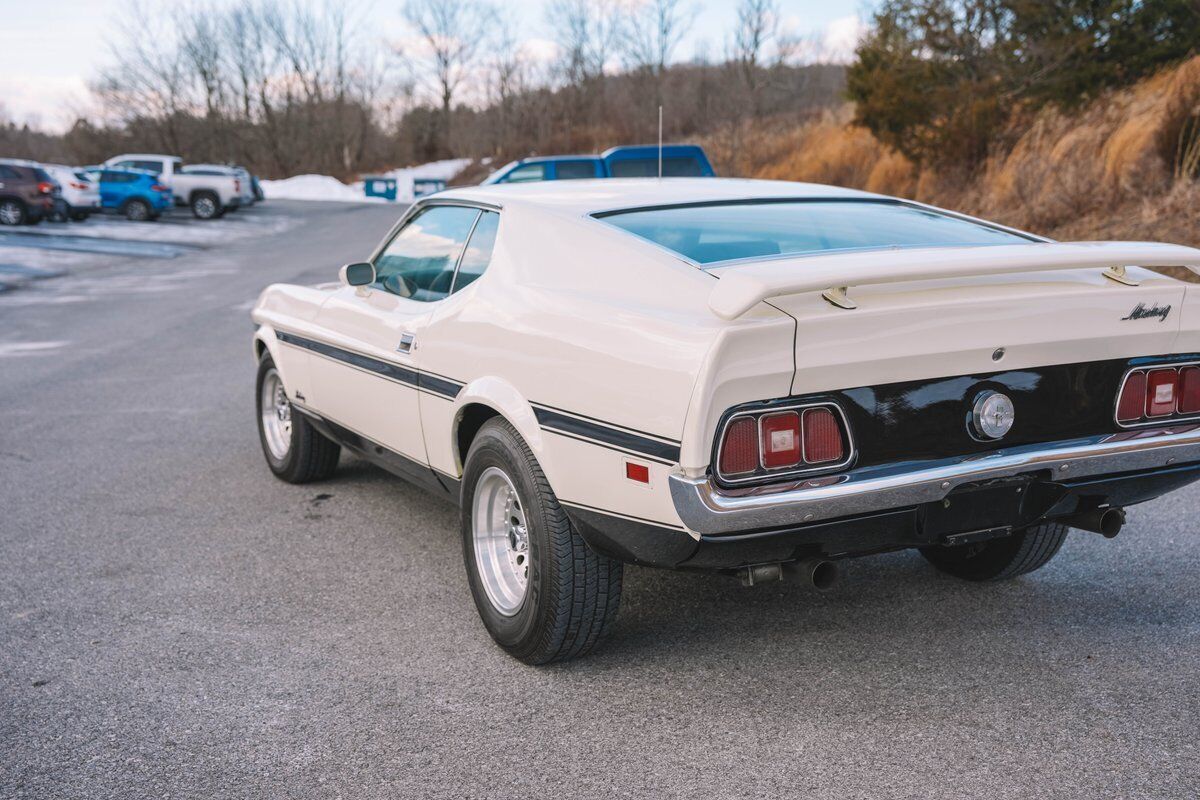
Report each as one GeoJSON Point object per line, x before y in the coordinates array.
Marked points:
{"type": "Point", "coordinates": [1105, 521]}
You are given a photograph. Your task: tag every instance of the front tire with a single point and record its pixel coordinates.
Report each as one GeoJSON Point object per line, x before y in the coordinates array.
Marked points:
{"type": "Point", "coordinates": [295, 451]}
{"type": "Point", "coordinates": [1000, 559]}
{"type": "Point", "coordinates": [541, 592]}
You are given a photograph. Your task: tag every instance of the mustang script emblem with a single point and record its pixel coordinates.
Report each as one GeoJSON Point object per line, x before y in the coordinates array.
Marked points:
{"type": "Point", "coordinates": [1141, 312]}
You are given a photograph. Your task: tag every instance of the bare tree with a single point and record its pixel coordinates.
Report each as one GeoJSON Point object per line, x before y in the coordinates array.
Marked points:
{"type": "Point", "coordinates": [653, 29]}
{"type": "Point", "coordinates": [587, 33]}
{"type": "Point", "coordinates": [757, 26]}
{"type": "Point", "coordinates": [453, 33]}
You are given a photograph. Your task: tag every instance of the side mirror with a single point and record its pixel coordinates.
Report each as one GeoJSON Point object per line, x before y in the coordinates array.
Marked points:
{"type": "Point", "coordinates": [357, 274]}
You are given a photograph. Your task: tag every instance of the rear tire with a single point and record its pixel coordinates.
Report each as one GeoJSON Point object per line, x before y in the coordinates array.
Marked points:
{"type": "Point", "coordinates": [295, 451]}
{"type": "Point", "coordinates": [137, 211]}
{"type": "Point", "coordinates": [12, 212]}
{"type": "Point", "coordinates": [1000, 559]}
{"type": "Point", "coordinates": [569, 596]}
{"type": "Point", "coordinates": [205, 205]}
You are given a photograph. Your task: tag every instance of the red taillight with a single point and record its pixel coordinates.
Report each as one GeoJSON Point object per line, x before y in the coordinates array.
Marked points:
{"type": "Point", "coordinates": [1189, 390]}
{"type": "Point", "coordinates": [158, 187]}
{"type": "Point", "coordinates": [822, 437]}
{"type": "Point", "coordinates": [739, 451]}
{"type": "Point", "coordinates": [780, 439]}
{"type": "Point", "coordinates": [1160, 393]}
{"type": "Point", "coordinates": [46, 188]}
{"type": "Point", "coordinates": [81, 186]}
{"type": "Point", "coordinates": [1132, 405]}
{"type": "Point", "coordinates": [768, 442]}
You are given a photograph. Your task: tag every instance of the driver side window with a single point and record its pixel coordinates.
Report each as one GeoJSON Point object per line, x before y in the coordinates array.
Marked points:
{"type": "Point", "coordinates": [419, 262]}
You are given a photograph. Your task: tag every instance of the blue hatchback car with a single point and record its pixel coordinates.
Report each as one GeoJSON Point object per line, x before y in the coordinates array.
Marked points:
{"type": "Point", "coordinates": [134, 193]}
{"type": "Point", "coordinates": [641, 161]}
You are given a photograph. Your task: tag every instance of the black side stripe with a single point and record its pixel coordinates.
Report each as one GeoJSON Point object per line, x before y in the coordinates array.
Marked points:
{"type": "Point", "coordinates": [568, 412]}
{"type": "Point", "coordinates": [552, 420]}
{"type": "Point", "coordinates": [443, 387]}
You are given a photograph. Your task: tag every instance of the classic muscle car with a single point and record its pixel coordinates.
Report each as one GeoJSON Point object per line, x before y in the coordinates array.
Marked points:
{"type": "Point", "coordinates": [757, 378]}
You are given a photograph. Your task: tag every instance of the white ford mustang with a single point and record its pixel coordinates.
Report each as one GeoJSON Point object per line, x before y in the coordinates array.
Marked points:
{"type": "Point", "coordinates": [751, 377]}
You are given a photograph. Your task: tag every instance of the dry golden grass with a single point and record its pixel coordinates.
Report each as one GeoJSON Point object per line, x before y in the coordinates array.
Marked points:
{"type": "Point", "coordinates": [1119, 168]}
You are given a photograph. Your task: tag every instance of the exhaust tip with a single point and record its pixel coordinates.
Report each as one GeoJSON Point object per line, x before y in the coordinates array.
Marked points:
{"type": "Point", "coordinates": [824, 575]}
{"type": "Point", "coordinates": [1111, 522]}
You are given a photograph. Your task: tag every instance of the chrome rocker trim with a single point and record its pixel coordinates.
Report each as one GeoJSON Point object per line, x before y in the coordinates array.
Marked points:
{"type": "Point", "coordinates": [707, 510]}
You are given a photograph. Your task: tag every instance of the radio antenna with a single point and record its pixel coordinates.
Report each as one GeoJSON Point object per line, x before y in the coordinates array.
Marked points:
{"type": "Point", "coordinates": [660, 141]}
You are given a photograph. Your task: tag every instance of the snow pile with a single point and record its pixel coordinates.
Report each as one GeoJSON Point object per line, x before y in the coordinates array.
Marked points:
{"type": "Point", "coordinates": [323, 187]}
{"type": "Point", "coordinates": [313, 187]}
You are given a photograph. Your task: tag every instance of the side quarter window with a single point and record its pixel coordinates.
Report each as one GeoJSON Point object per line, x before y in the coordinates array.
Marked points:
{"type": "Point", "coordinates": [420, 260]}
{"type": "Point", "coordinates": [478, 254]}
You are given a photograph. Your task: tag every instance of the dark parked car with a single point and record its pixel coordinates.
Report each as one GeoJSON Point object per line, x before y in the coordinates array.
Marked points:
{"type": "Point", "coordinates": [27, 193]}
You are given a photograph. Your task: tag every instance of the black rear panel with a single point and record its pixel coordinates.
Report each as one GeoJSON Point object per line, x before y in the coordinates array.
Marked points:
{"type": "Point", "coordinates": [918, 420]}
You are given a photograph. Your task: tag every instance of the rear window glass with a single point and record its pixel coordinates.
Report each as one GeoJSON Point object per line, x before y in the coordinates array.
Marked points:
{"type": "Point", "coordinates": [711, 233]}
{"type": "Point", "coordinates": [648, 168]}
{"type": "Point", "coordinates": [575, 170]}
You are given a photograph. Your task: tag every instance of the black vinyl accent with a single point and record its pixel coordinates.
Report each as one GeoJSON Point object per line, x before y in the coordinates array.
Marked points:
{"type": "Point", "coordinates": [604, 434]}
{"type": "Point", "coordinates": [433, 384]}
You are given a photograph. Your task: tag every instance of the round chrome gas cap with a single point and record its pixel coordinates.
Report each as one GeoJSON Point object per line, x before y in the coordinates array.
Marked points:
{"type": "Point", "coordinates": [993, 414]}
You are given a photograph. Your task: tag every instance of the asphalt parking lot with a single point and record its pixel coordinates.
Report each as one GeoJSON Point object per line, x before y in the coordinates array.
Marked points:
{"type": "Point", "coordinates": [175, 622]}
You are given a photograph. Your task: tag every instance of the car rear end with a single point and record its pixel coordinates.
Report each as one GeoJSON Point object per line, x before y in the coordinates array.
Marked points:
{"type": "Point", "coordinates": [27, 186]}
{"type": "Point", "coordinates": [953, 382]}
{"type": "Point", "coordinates": [157, 193]}
{"type": "Point", "coordinates": [80, 193]}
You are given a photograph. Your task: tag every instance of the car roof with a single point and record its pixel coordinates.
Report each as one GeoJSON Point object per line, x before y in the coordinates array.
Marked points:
{"type": "Point", "coordinates": [540, 159]}
{"type": "Point", "coordinates": [611, 194]}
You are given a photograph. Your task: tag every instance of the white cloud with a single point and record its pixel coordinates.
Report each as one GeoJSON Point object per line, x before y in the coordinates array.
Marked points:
{"type": "Point", "coordinates": [840, 38]}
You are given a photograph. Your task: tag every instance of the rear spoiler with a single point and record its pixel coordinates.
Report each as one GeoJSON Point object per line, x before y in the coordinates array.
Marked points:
{"type": "Point", "coordinates": [744, 286]}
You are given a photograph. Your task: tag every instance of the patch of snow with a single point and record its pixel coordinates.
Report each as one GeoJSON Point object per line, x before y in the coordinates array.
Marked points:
{"type": "Point", "coordinates": [315, 187]}
{"type": "Point", "coordinates": [325, 187]}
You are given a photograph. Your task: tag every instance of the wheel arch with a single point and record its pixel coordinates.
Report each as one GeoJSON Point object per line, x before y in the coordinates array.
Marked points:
{"type": "Point", "coordinates": [484, 399]}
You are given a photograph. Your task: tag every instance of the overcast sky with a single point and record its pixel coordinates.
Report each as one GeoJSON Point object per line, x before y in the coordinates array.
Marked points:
{"type": "Point", "coordinates": [50, 49]}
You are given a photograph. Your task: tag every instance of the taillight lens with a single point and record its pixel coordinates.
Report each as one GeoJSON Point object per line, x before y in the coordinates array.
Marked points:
{"type": "Point", "coordinates": [1160, 393]}
{"type": "Point", "coordinates": [770, 442]}
{"type": "Point", "coordinates": [1189, 390]}
{"type": "Point", "coordinates": [1132, 405]}
{"type": "Point", "coordinates": [780, 439]}
{"type": "Point", "coordinates": [46, 188]}
{"type": "Point", "coordinates": [158, 187]}
{"type": "Point", "coordinates": [80, 186]}
{"type": "Point", "coordinates": [739, 451]}
{"type": "Point", "coordinates": [822, 437]}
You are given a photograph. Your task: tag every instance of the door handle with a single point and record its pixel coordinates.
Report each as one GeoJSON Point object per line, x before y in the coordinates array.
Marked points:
{"type": "Point", "coordinates": [406, 343]}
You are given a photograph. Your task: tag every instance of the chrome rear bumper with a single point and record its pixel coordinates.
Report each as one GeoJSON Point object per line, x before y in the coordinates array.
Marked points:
{"type": "Point", "coordinates": [706, 509]}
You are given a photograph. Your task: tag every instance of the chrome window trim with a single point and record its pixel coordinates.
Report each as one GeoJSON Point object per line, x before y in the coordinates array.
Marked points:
{"type": "Point", "coordinates": [779, 473]}
{"type": "Point", "coordinates": [1172, 418]}
{"type": "Point", "coordinates": [417, 208]}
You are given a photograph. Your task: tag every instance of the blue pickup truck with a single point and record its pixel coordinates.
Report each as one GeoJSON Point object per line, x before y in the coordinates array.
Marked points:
{"type": "Point", "coordinates": [678, 161]}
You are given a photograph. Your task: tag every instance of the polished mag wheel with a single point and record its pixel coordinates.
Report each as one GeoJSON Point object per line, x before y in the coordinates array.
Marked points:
{"type": "Point", "coordinates": [501, 539]}
{"type": "Point", "coordinates": [276, 415]}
